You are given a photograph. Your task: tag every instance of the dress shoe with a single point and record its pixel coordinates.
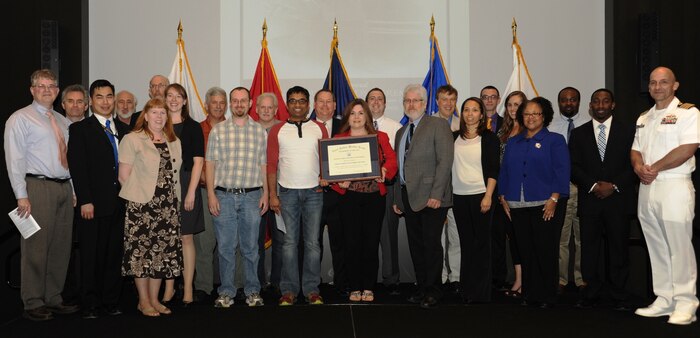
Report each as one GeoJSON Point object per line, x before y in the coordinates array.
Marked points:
{"type": "Point", "coordinates": [393, 290]}
{"type": "Point", "coordinates": [199, 296]}
{"type": "Point", "coordinates": [560, 289]}
{"type": "Point", "coordinates": [456, 288]}
{"type": "Point", "coordinates": [584, 304]}
{"type": "Point", "coordinates": [415, 298]}
{"type": "Point", "coordinates": [90, 313]}
{"type": "Point", "coordinates": [62, 309]}
{"type": "Point", "coordinates": [429, 302]}
{"type": "Point", "coordinates": [653, 311]}
{"type": "Point", "coordinates": [112, 310]}
{"type": "Point", "coordinates": [622, 306]}
{"type": "Point", "coordinates": [39, 314]}
{"type": "Point", "coordinates": [681, 318]}
{"type": "Point", "coordinates": [546, 306]}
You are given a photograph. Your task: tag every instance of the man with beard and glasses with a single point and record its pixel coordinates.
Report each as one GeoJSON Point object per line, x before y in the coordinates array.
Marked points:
{"type": "Point", "coordinates": [237, 195]}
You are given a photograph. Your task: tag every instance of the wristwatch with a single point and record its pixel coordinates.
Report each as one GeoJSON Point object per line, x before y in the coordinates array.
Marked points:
{"type": "Point", "coordinates": [554, 199]}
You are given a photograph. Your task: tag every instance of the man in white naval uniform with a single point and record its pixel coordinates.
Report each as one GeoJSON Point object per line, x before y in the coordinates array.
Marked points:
{"type": "Point", "coordinates": [662, 157]}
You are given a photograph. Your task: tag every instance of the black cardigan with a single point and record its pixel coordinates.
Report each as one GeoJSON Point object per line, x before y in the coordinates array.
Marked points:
{"type": "Point", "coordinates": [490, 155]}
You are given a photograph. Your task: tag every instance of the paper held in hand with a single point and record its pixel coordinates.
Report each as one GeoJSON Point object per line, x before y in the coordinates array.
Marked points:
{"type": "Point", "coordinates": [26, 226]}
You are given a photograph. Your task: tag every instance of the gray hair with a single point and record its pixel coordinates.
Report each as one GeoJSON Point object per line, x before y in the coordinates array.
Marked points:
{"type": "Point", "coordinates": [136, 101]}
{"type": "Point", "coordinates": [416, 87]}
{"type": "Point", "coordinates": [75, 88]}
{"type": "Point", "coordinates": [214, 91]}
{"type": "Point", "coordinates": [266, 95]}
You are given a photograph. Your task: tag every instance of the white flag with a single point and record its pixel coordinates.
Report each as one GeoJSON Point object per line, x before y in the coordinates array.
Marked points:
{"type": "Point", "coordinates": [520, 79]}
{"type": "Point", "coordinates": [182, 73]}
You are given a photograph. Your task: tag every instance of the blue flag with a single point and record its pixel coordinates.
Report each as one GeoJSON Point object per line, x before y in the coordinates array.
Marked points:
{"type": "Point", "coordinates": [338, 82]}
{"type": "Point", "coordinates": [436, 77]}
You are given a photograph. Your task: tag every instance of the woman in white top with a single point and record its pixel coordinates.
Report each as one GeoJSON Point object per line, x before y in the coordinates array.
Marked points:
{"type": "Point", "coordinates": [474, 173]}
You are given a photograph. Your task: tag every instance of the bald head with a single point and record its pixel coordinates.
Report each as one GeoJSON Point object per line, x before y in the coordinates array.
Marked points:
{"type": "Point", "coordinates": [662, 86]}
{"type": "Point", "coordinates": [156, 87]}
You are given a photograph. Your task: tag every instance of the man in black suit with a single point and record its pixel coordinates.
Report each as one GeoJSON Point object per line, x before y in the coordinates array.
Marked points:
{"type": "Point", "coordinates": [93, 163]}
{"type": "Point", "coordinates": [601, 168]}
{"type": "Point", "coordinates": [324, 107]}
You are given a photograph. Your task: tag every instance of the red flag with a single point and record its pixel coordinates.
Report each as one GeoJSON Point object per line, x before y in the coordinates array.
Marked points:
{"type": "Point", "coordinates": [265, 81]}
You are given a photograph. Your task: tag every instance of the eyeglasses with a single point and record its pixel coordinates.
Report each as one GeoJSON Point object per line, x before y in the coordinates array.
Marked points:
{"type": "Point", "coordinates": [489, 97]}
{"type": "Point", "coordinates": [45, 87]}
{"type": "Point", "coordinates": [160, 85]}
{"type": "Point", "coordinates": [412, 101]}
{"type": "Point", "coordinates": [241, 101]}
{"type": "Point", "coordinates": [527, 115]}
{"type": "Point", "coordinates": [295, 101]}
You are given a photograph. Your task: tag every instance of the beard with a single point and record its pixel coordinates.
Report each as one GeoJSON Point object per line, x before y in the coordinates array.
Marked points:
{"type": "Point", "coordinates": [125, 115]}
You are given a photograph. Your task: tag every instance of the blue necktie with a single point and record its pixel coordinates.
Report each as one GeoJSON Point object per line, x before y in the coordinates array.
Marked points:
{"type": "Point", "coordinates": [601, 142]}
{"type": "Point", "coordinates": [113, 141]}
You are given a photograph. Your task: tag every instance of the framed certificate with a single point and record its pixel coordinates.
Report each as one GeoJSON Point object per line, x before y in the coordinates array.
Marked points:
{"type": "Point", "coordinates": [351, 158]}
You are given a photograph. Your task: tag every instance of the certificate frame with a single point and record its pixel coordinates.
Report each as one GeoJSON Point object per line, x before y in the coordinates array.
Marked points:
{"type": "Point", "coordinates": [361, 152]}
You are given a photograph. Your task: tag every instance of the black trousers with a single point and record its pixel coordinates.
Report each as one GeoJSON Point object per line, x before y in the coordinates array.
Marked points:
{"type": "Point", "coordinates": [611, 227]}
{"type": "Point", "coordinates": [331, 216]}
{"type": "Point", "coordinates": [538, 244]}
{"type": "Point", "coordinates": [101, 254]}
{"type": "Point", "coordinates": [423, 229]}
{"type": "Point", "coordinates": [474, 228]}
{"type": "Point", "coordinates": [498, 244]}
{"type": "Point", "coordinates": [362, 215]}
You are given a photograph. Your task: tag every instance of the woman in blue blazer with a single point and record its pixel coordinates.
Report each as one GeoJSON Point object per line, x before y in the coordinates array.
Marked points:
{"type": "Point", "coordinates": [534, 174]}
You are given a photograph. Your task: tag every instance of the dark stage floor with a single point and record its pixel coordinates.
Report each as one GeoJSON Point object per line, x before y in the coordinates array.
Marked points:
{"type": "Point", "coordinates": [389, 316]}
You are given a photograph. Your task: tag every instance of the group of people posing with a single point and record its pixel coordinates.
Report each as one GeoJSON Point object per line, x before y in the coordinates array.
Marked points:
{"type": "Point", "coordinates": [156, 194]}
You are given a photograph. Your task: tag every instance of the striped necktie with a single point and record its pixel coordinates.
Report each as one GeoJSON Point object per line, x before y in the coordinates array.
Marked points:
{"type": "Point", "coordinates": [601, 142]}
{"type": "Point", "coordinates": [112, 140]}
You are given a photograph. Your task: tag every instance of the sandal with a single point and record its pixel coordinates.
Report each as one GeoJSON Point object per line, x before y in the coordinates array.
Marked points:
{"type": "Point", "coordinates": [148, 312]}
{"type": "Point", "coordinates": [367, 296]}
{"type": "Point", "coordinates": [356, 296]}
{"type": "Point", "coordinates": [514, 293]}
{"type": "Point", "coordinates": [164, 310]}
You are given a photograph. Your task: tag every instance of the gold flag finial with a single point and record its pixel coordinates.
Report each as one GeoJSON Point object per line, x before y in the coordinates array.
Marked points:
{"type": "Point", "coordinates": [264, 28]}
{"type": "Point", "coordinates": [432, 24]}
{"type": "Point", "coordinates": [335, 29]}
{"type": "Point", "coordinates": [514, 27]}
{"type": "Point", "coordinates": [179, 30]}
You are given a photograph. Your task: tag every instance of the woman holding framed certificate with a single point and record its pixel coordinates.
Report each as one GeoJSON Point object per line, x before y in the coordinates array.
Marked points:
{"type": "Point", "coordinates": [362, 205]}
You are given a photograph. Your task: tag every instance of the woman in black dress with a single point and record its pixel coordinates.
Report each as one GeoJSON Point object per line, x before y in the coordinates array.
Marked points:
{"type": "Point", "coordinates": [192, 220]}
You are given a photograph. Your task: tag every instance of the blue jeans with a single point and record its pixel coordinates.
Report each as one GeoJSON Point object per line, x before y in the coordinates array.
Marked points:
{"type": "Point", "coordinates": [239, 219]}
{"type": "Point", "coordinates": [301, 208]}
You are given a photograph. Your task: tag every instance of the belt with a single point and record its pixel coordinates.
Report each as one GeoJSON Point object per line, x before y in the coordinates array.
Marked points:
{"type": "Point", "coordinates": [46, 178]}
{"type": "Point", "coordinates": [237, 191]}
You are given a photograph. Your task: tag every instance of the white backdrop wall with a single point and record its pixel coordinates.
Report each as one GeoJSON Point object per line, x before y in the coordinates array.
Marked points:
{"type": "Point", "coordinates": [382, 43]}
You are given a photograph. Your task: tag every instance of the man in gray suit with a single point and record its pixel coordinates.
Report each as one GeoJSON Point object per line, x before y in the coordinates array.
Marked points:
{"type": "Point", "coordinates": [425, 150]}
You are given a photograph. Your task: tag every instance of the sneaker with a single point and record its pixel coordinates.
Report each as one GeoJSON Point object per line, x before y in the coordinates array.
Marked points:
{"type": "Point", "coordinates": [287, 299]}
{"type": "Point", "coordinates": [314, 299]}
{"type": "Point", "coordinates": [223, 301]}
{"type": "Point", "coordinates": [254, 299]}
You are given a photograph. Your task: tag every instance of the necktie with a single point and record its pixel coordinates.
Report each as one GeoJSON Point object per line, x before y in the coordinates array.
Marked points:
{"type": "Point", "coordinates": [601, 142]}
{"type": "Point", "coordinates": [113, 141]}
{"type": "Point", "coordinates": [405, 150]}
{"type": "Point", "coordinates": [488, 123]}
{"type": "Point", "coordinates": [60, 140]}
{"type": "Point", "coordinates": [571, 127]}
{"type": "Point", "coordinates": [376, 125]}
